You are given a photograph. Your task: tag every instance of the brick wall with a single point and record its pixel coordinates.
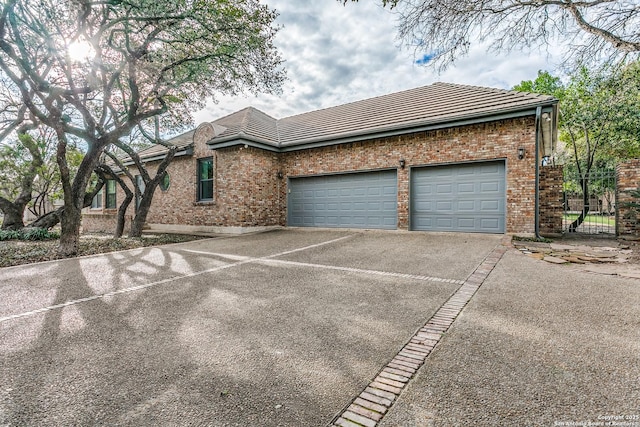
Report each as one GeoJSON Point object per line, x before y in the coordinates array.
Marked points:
{"type": "Point", "coordinates": [627, 218]}
{"type": "Point", "coordinates": [249, 193]}
{"type": "Point", "coordinates": [487, 141]}
{"type": "Point", "coordinates": [95, 221]}
{"type": "Point", "coordinates": [551, 209]}
{"type": "Point", "coordinates": [246, 192]}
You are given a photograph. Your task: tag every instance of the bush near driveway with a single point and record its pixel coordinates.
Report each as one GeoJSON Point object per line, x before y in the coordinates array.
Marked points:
{"type": "Point", "coordinates": [18, 252]}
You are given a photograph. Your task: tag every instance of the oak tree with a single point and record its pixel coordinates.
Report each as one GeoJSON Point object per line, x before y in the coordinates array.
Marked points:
{"type": "Point", "coordinates": [597, 31]}
{"type": "Point", "coordinates": [93, 70]}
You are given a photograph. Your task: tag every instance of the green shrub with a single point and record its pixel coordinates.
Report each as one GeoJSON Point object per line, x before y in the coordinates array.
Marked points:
{"type": "Point", "coordinates": [28, 234]}
{"type": "Point", "coordinates": [38, 234]}
{"type": "Point", "coordinates": [9, 235]}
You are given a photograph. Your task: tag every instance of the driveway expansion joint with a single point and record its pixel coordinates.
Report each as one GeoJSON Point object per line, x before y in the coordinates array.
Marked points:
{"type": "Point", "coordinates": [372, 404]}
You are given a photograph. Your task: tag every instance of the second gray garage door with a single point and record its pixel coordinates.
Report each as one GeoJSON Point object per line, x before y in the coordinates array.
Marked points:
{"type": "Point", "coordinates": [353, 200]}
{"type": "Point", "coordinates": [466, 197]}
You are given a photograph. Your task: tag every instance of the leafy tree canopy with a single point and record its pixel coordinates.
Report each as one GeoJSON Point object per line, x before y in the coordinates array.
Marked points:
{"type": "Point", "coordinates": [95, 70]}
{"type": "Point", "coordinates": [598, 111]}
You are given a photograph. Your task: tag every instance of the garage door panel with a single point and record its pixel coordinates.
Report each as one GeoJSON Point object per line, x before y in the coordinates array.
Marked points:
{"type": "Point", "coordinates": [463, 197]}
{"type": "Point", "coordinates": [491, 223]}
{"type": "Point", "coordinates": [467, 187]}
{"type": "Point", "coordinates": [489, 206]}
{"type": "Point", "coordinates": [466, 205]}
{"type": "Point", "coordinates": [332, 221]}
{"type": "Point", "coordinates": [492, 169]}
{"type": "Point", "coordinates": [443, 189]}
{"type": "Point", "coordinates": [356, 200]}
{"type": "Point", "coordinates": [444, 222]}
{"type": "Point", "coordinates": [423, 206]}
{"type": "Point", "coordinates": [389, 223]}
{"type": "Point", "coordinates": [389, 207]}
{"type": "Point", "coordinates": [444, 206]}
{"type": "Point", "coordinates": [493, 186]}
{"type": "Point", "coordinates": [390, 190]}
{"type": "Point", "coordinates": [466, 223]}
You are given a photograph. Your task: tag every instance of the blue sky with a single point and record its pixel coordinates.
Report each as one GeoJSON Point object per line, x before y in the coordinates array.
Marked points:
{"type": "Point", "coordinates": [336, 54]}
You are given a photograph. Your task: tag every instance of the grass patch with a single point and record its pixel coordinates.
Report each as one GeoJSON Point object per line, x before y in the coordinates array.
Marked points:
{"type": "Point", "coordinates": [593, 219]}
{"type": "Point", "coordinates": [26, 251]}
{"type": "Point", "coordinates": [531, 239]}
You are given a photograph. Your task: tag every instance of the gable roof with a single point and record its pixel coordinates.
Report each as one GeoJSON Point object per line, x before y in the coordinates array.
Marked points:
{"type": "Point", "coordinates": [428, 107]}
{"type": "Point", "coordinates": [249, 123]}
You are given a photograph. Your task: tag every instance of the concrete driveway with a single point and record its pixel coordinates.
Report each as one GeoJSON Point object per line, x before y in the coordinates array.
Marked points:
{"type": "Point", "coordinates": [279, 328]}
{"type": "Point", "coordinates": [538, 345]}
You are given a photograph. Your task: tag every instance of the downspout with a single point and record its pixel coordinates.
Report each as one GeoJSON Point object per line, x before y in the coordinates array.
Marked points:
{"type": "Point", "coordinates": [537, 196]}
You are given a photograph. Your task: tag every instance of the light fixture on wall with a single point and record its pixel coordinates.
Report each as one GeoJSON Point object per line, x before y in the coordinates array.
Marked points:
{"type": "Point", "coordinates": [521, 153]}
{"type": "Point", "coordinates": [280, 175]}
{"type": "Point", "coordinates": [402, 163]}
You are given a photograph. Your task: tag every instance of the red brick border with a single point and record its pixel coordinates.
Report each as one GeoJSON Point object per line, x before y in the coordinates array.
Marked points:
{"type": "Point", "coordinates": [370, 406]}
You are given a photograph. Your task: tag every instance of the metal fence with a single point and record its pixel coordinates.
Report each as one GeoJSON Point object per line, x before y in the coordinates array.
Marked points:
{"type": "Point", "coordinates": [595, 213]}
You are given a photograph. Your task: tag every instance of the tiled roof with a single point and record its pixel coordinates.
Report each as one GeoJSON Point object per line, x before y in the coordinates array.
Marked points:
{"type": "Point", "coordinates": [439, 103]}
{"type": "Point", "coordinates": [182, 142]}
{"type": "Point", "coordinates": [249, 123]}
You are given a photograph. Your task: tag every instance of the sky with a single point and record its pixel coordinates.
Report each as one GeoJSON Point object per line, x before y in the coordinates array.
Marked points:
{"type": "Point", "coordinates": [335, 54]}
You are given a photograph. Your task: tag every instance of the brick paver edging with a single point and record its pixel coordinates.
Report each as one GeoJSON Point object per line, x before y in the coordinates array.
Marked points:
{"type": "Point", "coordinates": [370, 406]}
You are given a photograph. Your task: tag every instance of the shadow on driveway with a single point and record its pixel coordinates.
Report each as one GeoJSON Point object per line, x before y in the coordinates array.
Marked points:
{"type": "Point", "coordinates": [216, 337]}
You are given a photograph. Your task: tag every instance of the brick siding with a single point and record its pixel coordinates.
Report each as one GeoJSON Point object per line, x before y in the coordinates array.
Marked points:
{"type": "Point", "coordinates": [248, 192]}
{"type": "Point", "coordinates": [551, 209]}
{"type": "Point", "coordinates": [99, 221]}
{"type": "Point", "coordinates": [487, 141]}
{"type": "Point", "coordinates": [627, 218]}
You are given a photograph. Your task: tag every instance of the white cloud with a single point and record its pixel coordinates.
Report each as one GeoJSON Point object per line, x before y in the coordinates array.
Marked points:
{"type": "Point", "coordinates": [337, 54]}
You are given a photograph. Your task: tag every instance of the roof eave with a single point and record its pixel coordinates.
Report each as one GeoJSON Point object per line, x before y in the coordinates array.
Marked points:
{"type": "Point", "coordinates": [404, 128]}
{"type": "Point", "coordinates": [394, 130]}
{"type": "Point", "coordinates": [183, 152]}
{"type": "Point", "coordinates": [235, 140]}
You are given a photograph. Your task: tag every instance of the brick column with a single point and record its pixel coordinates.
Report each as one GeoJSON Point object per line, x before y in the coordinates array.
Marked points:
{"type": "Point", "coordinates": [551, 210]}
{"type": "Point", "coordinates": [627, 218]}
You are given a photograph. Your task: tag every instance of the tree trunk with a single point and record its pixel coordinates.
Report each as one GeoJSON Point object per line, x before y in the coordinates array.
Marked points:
{"type": "Point", "coordinates": [70, 235]}
{"type": "Point", "coordinates": [585, 206]}
{"type": "Point", "coordinates": [13, 215]}
{"type": "Point", "coordinates": [150, 187]}
{"type": "Point", "coordinates": [139, 220]}
{"type": "Point", "coordinates": [122, 211]}
{"type": "Point", "coordinates": [14, 211]}
{"type": "Point", "coordinates": [48, 220]}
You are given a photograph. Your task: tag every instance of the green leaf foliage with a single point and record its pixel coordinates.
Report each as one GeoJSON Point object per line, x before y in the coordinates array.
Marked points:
{"type": "Point", "coordinates": [31, 234]}
{"type": "Point", "coordinates": [599, 123]}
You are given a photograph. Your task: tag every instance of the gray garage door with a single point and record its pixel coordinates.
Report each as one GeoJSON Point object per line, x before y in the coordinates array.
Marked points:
{"type": "Point", "coordinates": [354, 200]}
{"type": "Point", "coordinates": [467, 197]}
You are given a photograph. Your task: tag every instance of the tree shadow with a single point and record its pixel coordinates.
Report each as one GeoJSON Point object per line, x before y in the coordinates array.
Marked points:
{"type": "Point", "coordinates": [249, 345]}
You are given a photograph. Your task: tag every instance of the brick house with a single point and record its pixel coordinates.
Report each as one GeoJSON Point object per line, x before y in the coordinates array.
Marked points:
{"type": "Point", "coordinates": [442, 157]}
